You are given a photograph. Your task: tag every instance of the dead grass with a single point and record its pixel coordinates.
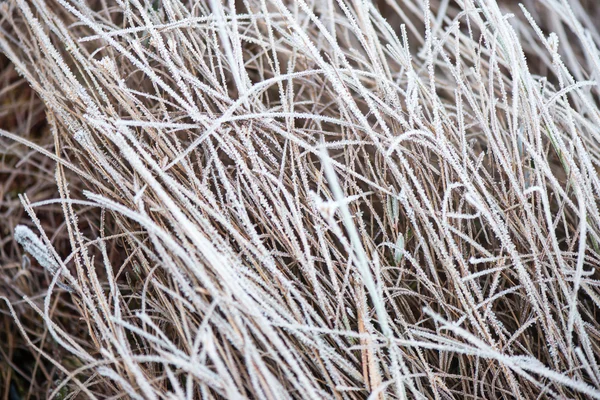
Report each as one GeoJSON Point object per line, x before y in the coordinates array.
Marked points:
{"type": "Point", "coordinates": [278, 200]}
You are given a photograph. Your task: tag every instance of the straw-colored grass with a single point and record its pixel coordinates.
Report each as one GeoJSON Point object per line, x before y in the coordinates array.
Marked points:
{"type": "Point", "coordinates": [305, 199]}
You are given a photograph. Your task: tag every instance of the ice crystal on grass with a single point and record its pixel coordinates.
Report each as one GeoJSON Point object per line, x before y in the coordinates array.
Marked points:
{"type": "Point", "coordinates": [34, 246]}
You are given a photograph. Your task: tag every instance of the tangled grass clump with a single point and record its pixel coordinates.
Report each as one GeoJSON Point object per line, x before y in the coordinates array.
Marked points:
{"type": "Point", "coordinates": [300, 199]}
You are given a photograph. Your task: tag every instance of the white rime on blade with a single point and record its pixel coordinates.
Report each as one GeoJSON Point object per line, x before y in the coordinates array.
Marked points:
{"type": "Point", "coordinates": [36, 248]}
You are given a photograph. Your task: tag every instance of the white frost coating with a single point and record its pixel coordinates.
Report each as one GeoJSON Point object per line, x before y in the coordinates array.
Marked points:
{"type": "Point", "coordinates": [36, 248]}
{"type": "Point", "coordinates": [399, 252]}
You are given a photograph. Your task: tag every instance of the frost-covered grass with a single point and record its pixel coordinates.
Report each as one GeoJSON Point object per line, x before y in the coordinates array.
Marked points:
{"type": "Point", "coordinates": [307, 199]}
